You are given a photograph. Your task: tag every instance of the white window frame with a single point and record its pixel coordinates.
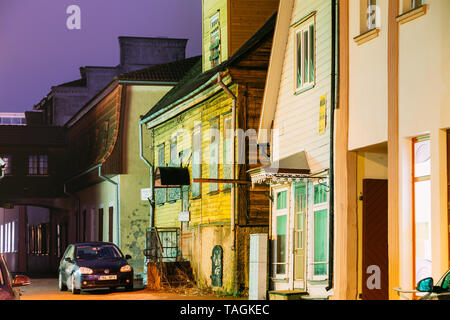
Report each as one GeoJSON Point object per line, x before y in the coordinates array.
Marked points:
{"type": "Point", "coordinates": [301, 28]}
{"type": "Point", "coordinates": [277, 213]}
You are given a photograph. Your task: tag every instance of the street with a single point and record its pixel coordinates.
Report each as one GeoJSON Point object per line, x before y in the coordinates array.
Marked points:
{"type": "Point", "coordinates": [47, 289]}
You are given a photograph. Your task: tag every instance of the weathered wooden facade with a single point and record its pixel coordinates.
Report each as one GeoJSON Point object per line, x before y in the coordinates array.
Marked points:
{"type": "Point", "coordinates": [191, 127]}
{"type": "Point", "coordinates": [104, 173]}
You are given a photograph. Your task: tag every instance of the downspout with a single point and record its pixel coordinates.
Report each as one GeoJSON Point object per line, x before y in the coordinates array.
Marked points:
{"type": "Point", "coordinates": [334, 59]}
{"type": "Point", "coordinates": [141, 154]}
{"type": "Point", "coordinates": [117, 200]}
{"type": "Point", "coordinates": [233, 173]}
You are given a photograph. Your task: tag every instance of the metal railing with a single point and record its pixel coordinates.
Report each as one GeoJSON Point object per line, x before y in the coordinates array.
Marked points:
{"type": "Point", "coordinates": [162, 244]}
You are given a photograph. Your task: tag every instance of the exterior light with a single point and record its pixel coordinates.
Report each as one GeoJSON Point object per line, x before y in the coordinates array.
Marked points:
{"type": "Point", "coordinates": [84, 270]}
{"type": "Point", "coordinates": [126, 268]}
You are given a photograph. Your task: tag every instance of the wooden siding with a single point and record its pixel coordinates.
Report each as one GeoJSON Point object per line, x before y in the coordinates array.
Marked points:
{"type": "Point", "coordinates": [246, 17]}
{"type": "Point", "coordinates": [210, 7]}
{"type": "Point", "coordinates": [297, 116]}
{"type": "Point", "coordinates": [93, 138]}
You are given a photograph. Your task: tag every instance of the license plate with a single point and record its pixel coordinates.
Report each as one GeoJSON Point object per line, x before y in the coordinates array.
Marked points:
{"type": "Point", "coordinates": [112, 277]}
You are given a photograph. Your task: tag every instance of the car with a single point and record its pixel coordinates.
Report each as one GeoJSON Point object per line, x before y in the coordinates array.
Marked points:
{"type": "Point", "coordinates": [9, 288]}
{"type": "Point", "coordinates": [94, 265]}
{"type": "Point", "coordinates": [440, 291]}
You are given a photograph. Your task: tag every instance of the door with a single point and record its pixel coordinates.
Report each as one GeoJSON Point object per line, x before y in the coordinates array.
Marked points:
{"type": "Point", "coordinates": [100, 224]}
{"type": "Point", "coordinates": [375, 281]}
{"type": "Point", "coordinates": [299, 236]}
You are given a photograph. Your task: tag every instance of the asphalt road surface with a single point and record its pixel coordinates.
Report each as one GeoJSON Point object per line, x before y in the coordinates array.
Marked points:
{"type": "Point", "coordinates": [47, 289]}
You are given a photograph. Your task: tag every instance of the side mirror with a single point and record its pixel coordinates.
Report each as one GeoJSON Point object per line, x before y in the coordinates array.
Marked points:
{"type": "Point", "coordinates": [21, 280]}
{"type": "Point", "coordinates": [127, 257]}
{"type": "Point", "coordinates": [68, 260]}
{"type": "Point", "coordinates": [425, 285]}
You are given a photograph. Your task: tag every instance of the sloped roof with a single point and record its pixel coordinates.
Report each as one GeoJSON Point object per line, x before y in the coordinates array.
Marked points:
{"type": "Point", "coordinates": [76, 83]}
{"type": "Point", "coordinates": [194, 79]}
{"type": "Point", "coordinates": [167, 72]}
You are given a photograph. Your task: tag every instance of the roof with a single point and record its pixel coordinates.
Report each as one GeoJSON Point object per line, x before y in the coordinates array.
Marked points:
{"type": "Point", "coordinates": [19, 136]}
{"type": "Point", "coordinates": [76, 83]}
{"type": "Point", "coordinates": [194, 79]}
{"type": "Point", "coordinates": [167, 72]}
{"type": "Point", "coordinates": [295, 166]}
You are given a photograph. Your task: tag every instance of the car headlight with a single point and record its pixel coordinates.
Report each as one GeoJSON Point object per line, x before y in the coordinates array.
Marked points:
{"type": "Point", "coordinates": [84, 270]}
{"type": "Point", "coordinates": [125, 268]}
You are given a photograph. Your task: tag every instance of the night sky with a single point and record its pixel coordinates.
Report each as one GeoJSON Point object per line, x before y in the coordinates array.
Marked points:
{"type": "Point", "coordinates": [37, 50]}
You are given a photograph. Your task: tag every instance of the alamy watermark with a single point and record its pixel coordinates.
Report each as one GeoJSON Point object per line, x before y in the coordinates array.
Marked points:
{"type": "Point", "coordinates": [73, 21]}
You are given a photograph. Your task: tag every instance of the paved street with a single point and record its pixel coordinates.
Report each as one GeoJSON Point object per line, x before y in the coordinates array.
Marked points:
{"type": "Point", "coordinates": [47, 289]}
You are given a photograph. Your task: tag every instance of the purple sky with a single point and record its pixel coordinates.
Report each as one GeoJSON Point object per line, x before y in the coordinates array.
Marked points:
{"type": "Point", "coordinates": [37, 50]}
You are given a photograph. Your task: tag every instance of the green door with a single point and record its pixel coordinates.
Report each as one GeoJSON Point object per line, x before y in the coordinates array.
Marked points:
{"type": "Point", "coordinates": [300, 201]}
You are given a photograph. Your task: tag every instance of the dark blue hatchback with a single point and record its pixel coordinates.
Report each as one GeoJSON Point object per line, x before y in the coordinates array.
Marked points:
{"type": "Point", "coordinates": [93, 265]}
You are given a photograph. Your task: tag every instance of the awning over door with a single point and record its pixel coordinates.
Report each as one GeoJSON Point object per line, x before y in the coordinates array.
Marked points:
{"type": "Point", "coordinates": [291, 168]}
{"type": "Point", "coordinates": [171, 177]}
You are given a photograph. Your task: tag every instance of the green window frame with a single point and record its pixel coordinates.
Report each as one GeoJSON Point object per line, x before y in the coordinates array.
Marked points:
{"type": "Point", "coordinates": [214, 154]}
{"type": "Point", "coordinates": [196, 160]}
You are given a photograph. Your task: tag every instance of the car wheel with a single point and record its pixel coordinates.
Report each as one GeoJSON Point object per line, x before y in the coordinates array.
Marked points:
{"type": "Point", "coordinates": [61, 285]}
{"type": "Point", "coordinates": [74, 290]}
{"type": "Point", "coordinates": [129, 287]}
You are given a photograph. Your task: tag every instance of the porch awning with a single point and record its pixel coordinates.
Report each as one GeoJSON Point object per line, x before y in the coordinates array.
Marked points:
{"type": "Point", "coordinates": [171, 177]}
{"type": "Point", "coordinates": [291, 168]}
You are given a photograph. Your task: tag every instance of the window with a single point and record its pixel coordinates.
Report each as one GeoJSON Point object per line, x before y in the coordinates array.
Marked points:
{"type": "Point", "coordinates": [305, 59]}
{"type": "Point", "coordinates": [38, 239]}
{"type": "Point", "coordinates": [214, 154]}
{"type": "Point", "coordinates": [174, 194]}
{"type": "Point", "coordinates": [280, 243]}
{"type": "Point", "coordinates": [214, 48]}
{"type": "Point", "coordinates": [1, 239]}
{"type": "Point", "coordinates": [8, 168]}
{"type": "Point", "coordinates": [409, 5]}
{"type": "Point", "coordinates": [38, 165]}
{"type": "Point", "coordinates": [196, 160]}
{"type": "Point", "coordinates": [228, 136]}
{"type": "Point", "coordinates": [422, 208]}
{"type": "Point", "coordinates": [371, 14]}
{"type": "Point", "coordinates": [320, 227]}
{"type": "Point", "coordinates": [161, 155]}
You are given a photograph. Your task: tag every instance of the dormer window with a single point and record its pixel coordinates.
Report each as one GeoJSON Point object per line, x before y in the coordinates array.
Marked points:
{"type": "Point", "coordinates": [214, 48]}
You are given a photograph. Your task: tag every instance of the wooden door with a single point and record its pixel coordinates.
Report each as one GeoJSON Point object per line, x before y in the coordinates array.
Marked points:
{"type": "Point", "coordinates": [111, 224]}
{"type": "Point", "coordinates": [100, 224]}
{"type": "Point", "coordinates": [375, 240]}
{"type": "Point", "coordinates": [299, 236]}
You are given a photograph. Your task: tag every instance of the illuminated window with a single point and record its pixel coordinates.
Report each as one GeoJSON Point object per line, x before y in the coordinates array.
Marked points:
{"type": "Point", "coordinates": [422, 208]}
{"type": "Point", "coordinates": [7, 160]}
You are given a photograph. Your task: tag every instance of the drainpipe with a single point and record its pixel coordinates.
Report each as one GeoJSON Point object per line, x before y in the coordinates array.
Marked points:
{"type": "Point", "coordinates": [147, 162]}
{"type": "Point", "coordinates": [233, 173]}
{"type": "Point", "coordinates": [117, 200]}
{"type": "Point", "coordinates": [334, 57]}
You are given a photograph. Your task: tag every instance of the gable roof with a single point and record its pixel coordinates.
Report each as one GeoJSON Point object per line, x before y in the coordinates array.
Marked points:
{"type": "Point", "coordinates": [194, 79]}
{"type": "Point", "coordinates": [167, 72]}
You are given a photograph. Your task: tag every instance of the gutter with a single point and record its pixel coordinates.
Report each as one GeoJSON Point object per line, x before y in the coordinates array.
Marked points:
{"type": "Point", "coordinates": [334, 85]}
{"type": "Point", "coordinates": [117, 201]}
{"type": "Point", "coordinates": [233, 173]}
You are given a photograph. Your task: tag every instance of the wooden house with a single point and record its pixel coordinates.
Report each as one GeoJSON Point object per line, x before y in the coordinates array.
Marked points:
{"type": "Point", "coordinates": [190, 127]}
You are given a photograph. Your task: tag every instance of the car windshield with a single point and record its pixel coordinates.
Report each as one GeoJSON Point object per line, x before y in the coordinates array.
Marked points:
{"type": "Point", "coordinates": [92, 252]}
